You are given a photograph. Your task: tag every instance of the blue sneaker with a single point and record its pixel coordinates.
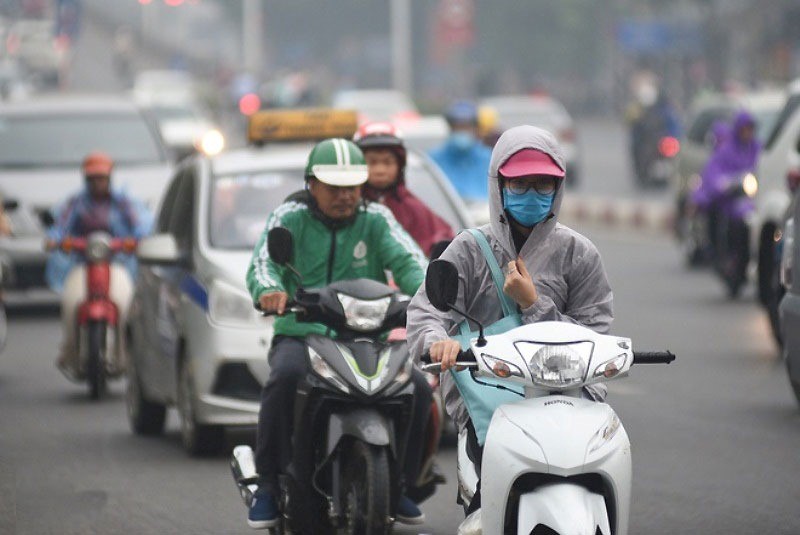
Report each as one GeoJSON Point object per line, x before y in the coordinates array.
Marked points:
{"type": "Point", "coordinates": [263, 511]}
{"type": "Point", "coordinates": [408, 512]}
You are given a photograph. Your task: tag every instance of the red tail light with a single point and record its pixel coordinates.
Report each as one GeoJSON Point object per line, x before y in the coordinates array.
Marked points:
{"type": "Point", "coordinates": [669, 147]}
{"type": "Point", "coordinates": [249, 104]}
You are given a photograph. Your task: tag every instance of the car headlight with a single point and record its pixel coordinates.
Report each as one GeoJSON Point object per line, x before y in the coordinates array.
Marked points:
{"type": "Point", "coordinates": [324, 370]}
{"type": "Point", "coordinates": [211, 143]}
{"type": "Point", "coordinates": [363, 315]}
{"type": "Point", "coordinates": [787, 254]}
{"type": "Point", "coordinates": [500, 367]}
{"type": "Point", "coordinates": [557, 366]}
{"type": "Point", "coordinates": [605, 433]}
{"type": "Point", "coordinates": [98, 248]}
{"type": "Point", "coordinates": [231, 306]}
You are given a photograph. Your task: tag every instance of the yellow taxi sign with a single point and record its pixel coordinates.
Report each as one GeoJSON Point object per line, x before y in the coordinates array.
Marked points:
{"type": "Point", "coordinates": [301, 125]}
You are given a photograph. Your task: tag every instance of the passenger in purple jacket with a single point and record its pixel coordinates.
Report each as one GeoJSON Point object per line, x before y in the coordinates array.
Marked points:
{"type": "Point", "coordinates": [737, 153]}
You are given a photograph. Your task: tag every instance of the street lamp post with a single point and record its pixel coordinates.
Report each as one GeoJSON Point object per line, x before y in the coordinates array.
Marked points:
{"type": "Point", "coordinates": [400, 14]}
{"type": "Point", "coordinates": [252, 31]}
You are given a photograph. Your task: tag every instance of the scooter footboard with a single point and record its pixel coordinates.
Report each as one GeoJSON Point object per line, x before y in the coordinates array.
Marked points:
{"type": "Point", "coordinates": [566, 508]}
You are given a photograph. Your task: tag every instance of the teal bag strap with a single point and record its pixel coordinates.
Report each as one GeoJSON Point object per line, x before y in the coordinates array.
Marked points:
{"type": "Point", "coordinates": [509, 306]}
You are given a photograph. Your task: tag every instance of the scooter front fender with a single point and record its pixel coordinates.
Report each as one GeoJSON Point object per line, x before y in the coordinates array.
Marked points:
{"type": "Point", "coordinates": [565, 508]}
{"type": "Point", "coordinates": [364, 424]}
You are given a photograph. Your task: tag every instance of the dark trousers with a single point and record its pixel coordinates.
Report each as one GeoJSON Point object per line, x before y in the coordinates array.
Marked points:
{"type": "Point", "coordinates": [288, 366]}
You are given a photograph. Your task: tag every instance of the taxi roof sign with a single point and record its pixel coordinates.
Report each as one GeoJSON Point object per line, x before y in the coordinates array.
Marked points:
{"type": "Point", "coordinates": [301, 125]}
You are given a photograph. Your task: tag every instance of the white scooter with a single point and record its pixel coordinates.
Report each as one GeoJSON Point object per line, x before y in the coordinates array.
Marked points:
{"type": "Point", "coordinates": [553, 462]}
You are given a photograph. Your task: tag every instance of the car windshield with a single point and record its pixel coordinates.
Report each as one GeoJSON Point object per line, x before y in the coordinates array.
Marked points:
{"type": "Point", "coordinates": [240, 203]}
{"type": "Point", "coordinates": [765, 121]}
{"type": "Point", "coordinates": [511, 114]}
{"type": "Point", "coordinates": [63, 140]}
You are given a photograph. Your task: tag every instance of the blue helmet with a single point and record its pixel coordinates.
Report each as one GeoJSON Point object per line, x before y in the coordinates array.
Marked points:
{"type": "Point", "coordinates": [462, 112]}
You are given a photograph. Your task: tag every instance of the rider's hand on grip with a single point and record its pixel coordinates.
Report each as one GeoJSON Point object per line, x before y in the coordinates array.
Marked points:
{"type": "Point", "coordinates": [446, 352]}
{"type": "Point", "coordinates": [273, 302]}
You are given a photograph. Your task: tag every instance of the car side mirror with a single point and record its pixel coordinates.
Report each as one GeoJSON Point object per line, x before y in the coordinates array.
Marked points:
{"type": "Point", "coordinates": [160, 249]}
{"type": "Point", "coordinates": [280, 245]}
{"type": "Point", "coordinates": [441, 284]}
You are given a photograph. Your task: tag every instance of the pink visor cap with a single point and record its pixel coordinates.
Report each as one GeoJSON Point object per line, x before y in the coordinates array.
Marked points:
{"type": "Point", "coordinates": [530, 162]}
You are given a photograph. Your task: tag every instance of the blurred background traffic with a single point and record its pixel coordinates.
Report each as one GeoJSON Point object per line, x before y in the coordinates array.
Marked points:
{"type": "Point", "coordinates": [642, 95]}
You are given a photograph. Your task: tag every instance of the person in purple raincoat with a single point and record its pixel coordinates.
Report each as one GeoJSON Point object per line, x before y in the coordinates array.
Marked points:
{"type": "Point", "coordinates": [736, 152]}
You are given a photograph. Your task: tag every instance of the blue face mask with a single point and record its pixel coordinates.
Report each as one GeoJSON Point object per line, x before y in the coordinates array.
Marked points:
{"type": "Point", "coordinates": [528, 208]}
{"type": "Point", "coordinates": [462, 140]}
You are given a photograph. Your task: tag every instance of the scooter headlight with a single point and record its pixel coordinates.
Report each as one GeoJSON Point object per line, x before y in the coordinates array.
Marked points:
{"type": "Point", "coordinates": [364, 315]}
{"type": "Point", "coordinates": [324, 370]}
{"type": "Point", "coordinates": [557, 366]}
{"type": "Point", "coordinates": [98, 248]}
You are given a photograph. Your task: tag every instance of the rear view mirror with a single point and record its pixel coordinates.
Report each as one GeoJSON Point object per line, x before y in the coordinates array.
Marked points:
{"type": "Point", "coordinates": [160, 249]}
{"type": "Point", "coordinates": [10, 204]}
{"type": "Point", "coordinates": [280, 245]}
{"type": "Point", "coordinates": [441, 284]}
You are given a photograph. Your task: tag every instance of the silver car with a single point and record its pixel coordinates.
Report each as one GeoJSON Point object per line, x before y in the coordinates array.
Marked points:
{"type": "Point", "coordinates": [195, 339]}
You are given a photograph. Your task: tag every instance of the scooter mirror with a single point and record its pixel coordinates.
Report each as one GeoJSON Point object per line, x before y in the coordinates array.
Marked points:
{"type": "Point", "coordinates": [280, 245]}
{"type": "Point", "coordinates": [441, 284]}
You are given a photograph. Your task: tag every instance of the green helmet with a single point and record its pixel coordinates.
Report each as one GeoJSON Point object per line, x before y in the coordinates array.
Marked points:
{"type": "Point", "coordinates": [337, 162]}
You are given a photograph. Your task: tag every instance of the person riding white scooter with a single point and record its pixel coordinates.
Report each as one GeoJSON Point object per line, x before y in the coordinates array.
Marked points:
{"type": "Point", "coordinates": [96, 208]}
{"type": "Point", "coordinates": [551, 272]}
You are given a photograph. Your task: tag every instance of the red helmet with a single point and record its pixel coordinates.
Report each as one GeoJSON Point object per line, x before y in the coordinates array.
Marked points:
{"type": "Point", "coordinates": [381, 135]}
{"type": "Point", "coordinates": [97, 163]}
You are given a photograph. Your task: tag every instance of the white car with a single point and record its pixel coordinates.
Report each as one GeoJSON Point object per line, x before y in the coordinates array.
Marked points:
{"type": "Point", "coordinates": [42, 144]}
{"type": "Point", "coordinates": [542, 111]}
{"type": "Point", "coordinates": [780, 155]}
{"type": "Point", "coordinates": [195, 339]}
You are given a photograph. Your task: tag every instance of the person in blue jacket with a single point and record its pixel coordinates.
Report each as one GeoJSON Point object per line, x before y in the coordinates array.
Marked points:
{"type": "Point", "coordinates": [96, 207]}
{"type": "Point", "coordinates": [463, 158]}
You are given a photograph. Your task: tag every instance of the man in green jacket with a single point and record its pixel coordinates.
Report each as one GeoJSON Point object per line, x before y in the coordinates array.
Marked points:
{"type": "Point", "coordinates": [337, 236]}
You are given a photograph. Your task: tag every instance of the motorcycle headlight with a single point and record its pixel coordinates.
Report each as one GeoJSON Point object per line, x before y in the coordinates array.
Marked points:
{"type": "Point", "coordinates": [231, 306]}
{"type": "Point", "coordinates": [605, 433]}
{"type": "Point", "coordinates": [500, 367]}
{"type": "Point", "coordinates": [324, 370]}
{"type": "Point", "coordinates": [750, 185]}
{"type": "Point", "coordinates": [98, 248]}
{"type": "Point", "coordinates": [363, 315]}
{"type": "Point", "coordinates": [556, 366]}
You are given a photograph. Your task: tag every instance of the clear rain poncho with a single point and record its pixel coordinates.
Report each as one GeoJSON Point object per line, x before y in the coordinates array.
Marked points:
{"type": "Point", "coordinates": [565, 266]}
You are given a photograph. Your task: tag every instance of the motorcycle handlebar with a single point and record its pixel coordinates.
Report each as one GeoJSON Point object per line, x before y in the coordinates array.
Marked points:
{"type": "Point", "coordinates": [653, 357]}
{"type": "Point", "coordinates": [291, 306]}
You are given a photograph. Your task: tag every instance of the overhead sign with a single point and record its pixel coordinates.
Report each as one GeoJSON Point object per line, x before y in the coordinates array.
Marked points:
{"type": "Point", "coordinates": [301, 125]}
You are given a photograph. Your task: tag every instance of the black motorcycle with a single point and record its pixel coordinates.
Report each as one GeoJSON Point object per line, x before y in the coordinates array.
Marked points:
{"type": "Point", "coordinates": [352, 411]}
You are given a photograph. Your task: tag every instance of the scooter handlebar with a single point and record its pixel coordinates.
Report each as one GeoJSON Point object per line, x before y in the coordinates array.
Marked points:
{"type": "Point", "coordinates": [291, 306]}
{"type": "Point", "coordinates": [653, 357]}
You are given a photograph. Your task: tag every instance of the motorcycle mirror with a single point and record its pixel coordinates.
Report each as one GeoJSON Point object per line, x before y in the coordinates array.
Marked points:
{"type": "Point", "coordinates": [280, 245]}
{"type": "Point", "coordinates": [441, 284]}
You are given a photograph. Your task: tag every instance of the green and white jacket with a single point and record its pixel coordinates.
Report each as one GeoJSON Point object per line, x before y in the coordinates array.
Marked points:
{"type": "Point", "coordinates": [368, 246]}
